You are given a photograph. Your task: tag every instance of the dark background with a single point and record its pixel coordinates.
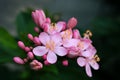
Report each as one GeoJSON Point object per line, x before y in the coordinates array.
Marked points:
{"type": "Point", "coordinates": [102, 17]}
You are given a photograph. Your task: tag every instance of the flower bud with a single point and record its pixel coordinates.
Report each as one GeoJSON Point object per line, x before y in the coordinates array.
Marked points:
{"type": "Point", "coordinates": [30, 37]}
{"type": "Point", "coordinates": [76, 34]}
{"type": "Point", "coordinates": [39, 17]}
{"type": "Point", "coordinates": [36, 29]}
{"type": "Point", "coordinates": [30, 55]}
{"type": "Point", "coordinates": [48, 20]}
{"type": "Point", "coordinates": [21, 44]}
{"type": "Point", "coordinates": [27, 49]}
{"type": "Point", "coordinates": [65, 63]}
{"type": "Point", "coordinates": [46, 27]}
{"type": "Point", "coordinates": [46, 63]}
{"type": "Point", "coordinates": [44, 57]}
{"type": "Point", "coordinates": [72, 22]}
{"type": "Point", "coordinates": [36, 40]}
{"type": "Point", "coordinates": [18, 60]}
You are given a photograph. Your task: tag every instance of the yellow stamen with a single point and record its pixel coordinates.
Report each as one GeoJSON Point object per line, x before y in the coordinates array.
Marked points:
{"type": "Point", "coordinates": [67, 34]}
{"type": "Point", "coordinates": [81, 45]}
{"type": "Point", "coordinates": [53, 27]}
{"type": "Point", "coordinates": [88, 34]}
{"type": "Point", "coordinates": [50, 45]}
{"type": "Point", "coordinates": [96, 58]}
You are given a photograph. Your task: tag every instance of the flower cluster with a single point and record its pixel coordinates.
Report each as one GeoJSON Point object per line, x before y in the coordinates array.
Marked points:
{"type": "Point", "coordinates": [58, 39]}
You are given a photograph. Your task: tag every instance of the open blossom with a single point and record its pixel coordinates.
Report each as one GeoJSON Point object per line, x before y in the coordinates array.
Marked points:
{"type": "Point", "coordinates": [87, 62]}
{"type": "Point", "coordinates": [51, 46]}
{"type": "Point", "coordinates": [68, 41]}
{"type": "Point", "coordinates": [54, 27]}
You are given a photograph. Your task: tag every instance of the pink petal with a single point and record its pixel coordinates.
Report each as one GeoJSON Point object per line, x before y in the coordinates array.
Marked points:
{"type": "Point", "coordinates": [60, 26]}
{"type": "Point", "coordinates": [44, 38]}
{"type": "Point", "coordinates": [88, 70]}
{"type": "Point", "coordinates": [87, 53]}
{"type": "Point", "coordinates": [70, 43]}
{"type": "Point", "coordinates": [57, 39]}
{"type": "Point", "coordinates": [61, 51]}
{"type": "Point", "coordinates": [94, 65]}
{"type": "Point", "coordinates": [51, 57]}
{"type": "Point", "coordinates": [81, 61]}
{"type": "Point", "coordinates": [40, 50]}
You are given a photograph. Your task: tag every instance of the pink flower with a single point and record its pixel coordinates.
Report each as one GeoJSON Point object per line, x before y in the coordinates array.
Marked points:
{"type": "Point", "coordinates": [51, 47]}
{"type": "Point", "coordinates": [72, 22]}
{"type": "Point", "coordinates": [68, 41]}
{"type": "Point", "coordinates": [54, 27]}
{"type": "Point", "coordinates": [39, 17]}
{"type": "Point", "coordinates": [87, 62]}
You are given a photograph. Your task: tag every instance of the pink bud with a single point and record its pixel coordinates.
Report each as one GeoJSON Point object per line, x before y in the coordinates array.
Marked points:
{"type": "Point", "coordinates": [37, 29]}
{"type": "Point", "coordinates": [18, 60]}
{"type": "Point", "coordinates": [46, 63]}
{"type": "Point", "coordinates": [76, 34]}
{"type": "Point", "coordinates": [46, 27]}
{"type": "Point", "coordinates": [27, 49]}
{"type": "Point", "coordinates": [44, 57]}
{"type": "Point", "coordinates": [36, 40]}
{"type": "Point", "coordinates": [25, 60]}
{"type": "Point", "coordinates": [21, 44]}
{"type": "Point", "coordinates": [30, 55]}
{"type": "Point", "coordinates": [48, 20]}
{"type": "Point", "coordinates": [65, 63]}
{"type": "Point", "coordinates": [30, 37]}
{"type": "Point", "coordinates": [36, 65]}
{"type": "Point", "coordinates": [39, 17]}
{"type": "Point", "coordinates": [72, 22]}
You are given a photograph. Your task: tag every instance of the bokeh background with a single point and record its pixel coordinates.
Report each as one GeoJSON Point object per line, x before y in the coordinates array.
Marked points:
{"type": "Point", "coordinates": [102, 17]}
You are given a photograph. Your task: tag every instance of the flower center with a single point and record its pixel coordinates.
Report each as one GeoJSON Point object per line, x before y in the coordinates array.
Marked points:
{"type": "Point", "coordinates": [53, 27]}
{"type": "Point", "coordinates": [67, 34]}
{"type": "Point", "coordinates": [50, 45]}
{"type": "Point", "coordinates": [81, 45]}
{"type": "Point", "coordinates": [87, 34]}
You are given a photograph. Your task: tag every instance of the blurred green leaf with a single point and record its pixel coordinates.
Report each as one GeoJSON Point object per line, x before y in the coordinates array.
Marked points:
{"type": "Point", "coordinates": [25, 25]}
{"type": "Point", "coordinates": [8, 46]}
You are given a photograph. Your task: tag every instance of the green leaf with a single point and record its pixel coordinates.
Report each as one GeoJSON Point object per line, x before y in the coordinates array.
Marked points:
{"type": "Point", "coordinates": [25, 24]}
{"type": "Point", "coordinates": [51, 68]}
{"type": "Point", "coordinates": [8, 46]}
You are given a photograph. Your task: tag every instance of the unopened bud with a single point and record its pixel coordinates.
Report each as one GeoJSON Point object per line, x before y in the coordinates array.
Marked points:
{"type": "Point", "coordinates": [18, 60]}
{"type": "Point", "coordinates": [30, 37]}
{"type": "Point", "coordinates": [21, 44]}
{"type": "Point", "coordinates": [36, 40]}
{"type": "Point", "coordinates": [30, 55]}
{"type": "Point", "coordinates": [36, 29]}
{"type": "Point", "coordinates": [72, 22]}
{"type": "Point", "coordinates": [27, 49]}
{"type": "Point", "coordinates": [65, 63]}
